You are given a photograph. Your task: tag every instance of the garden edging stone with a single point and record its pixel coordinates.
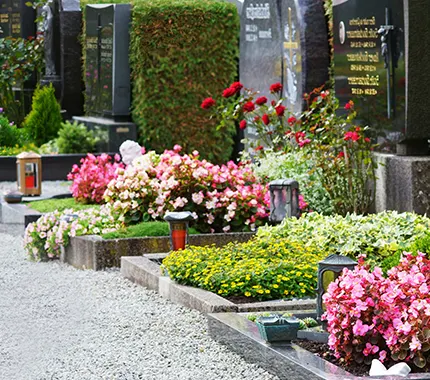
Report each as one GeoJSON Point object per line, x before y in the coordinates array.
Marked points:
{"type": "Point", "coordinates": [287, 361]}
{"type": "Point", "coordinates": [94, 252]}
{"type": "Point", "coordinates": [145, 271]}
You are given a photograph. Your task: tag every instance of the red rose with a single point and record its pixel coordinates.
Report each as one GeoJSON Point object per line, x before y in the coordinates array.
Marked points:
{"type": "Point", "coordinates": [366, 139]}
{"type": "Point", "coordinates": [228, 92]}
{"type": "Point", "coordinates": [261, 100]}
{"type": "Point", "coordinates": [237, 86]}
{"type": "Point", "coordinates": [276, 87]}
{"type": "Point", "coordinates": [257, 118]}
{"type": "Point", "coordinates": [341, 155]}
{"type": "Point", "coordinates": [354, 136]}
{"type": "Point", "coordinates": [249, 107]}
{"type": "Point", "coordinates": [324, 94]}
{"type": "Point", "coordinates": [292, 120]}
{"type": "Point", "coordinates": [265, 119]}
{"type": "Point", "coordinates": [242, 124]}
{"type": "Point", "coordinates": [280, 110]}
{"type": "Point", "coordinates": [357, 129]}
{"type": "Point", "coordinates": [273, 103]}
{"type": "Point", "coordinates": [260, 147]}
{"type": "Point", "coordinates": [208, 103]}
{"type": "Point", "coordinates": [349, 105]}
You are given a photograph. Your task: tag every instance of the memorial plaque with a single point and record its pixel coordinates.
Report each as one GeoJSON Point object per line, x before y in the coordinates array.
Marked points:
{"type": "Point", "coordinates": [369, 59]}
{"type": "Point", "coordinates": [17, 19]}
{"type": "Point", "coordinates": [107, 70]}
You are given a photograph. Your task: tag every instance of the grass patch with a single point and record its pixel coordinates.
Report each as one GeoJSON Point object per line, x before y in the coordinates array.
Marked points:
{"type": "Point", "coordinates": [49, 205]}
{"type": "Point", "coordinates": [143, 229]}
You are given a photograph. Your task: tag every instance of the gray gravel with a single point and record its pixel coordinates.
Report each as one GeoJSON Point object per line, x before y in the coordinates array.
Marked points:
{"type": "Point", "coordinates": [60, 323]}
{"type": "Point", "coordinates": [49, 188]}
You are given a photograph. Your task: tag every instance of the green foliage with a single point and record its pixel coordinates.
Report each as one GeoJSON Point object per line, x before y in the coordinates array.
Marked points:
{"type": "Point", "coordinates": [15, 150]}
{"type": "Point", "coordinates": [50, 205]}
{"type": "Point", "coordinates": [44, 120]}
{"type": "Point", "coordinates": [261, 268]}
{"type": "Point", "coordinates": [143, 229]}
{"type": "Point", "coordinates": [376, 235]}
{"type": "Point", "coordinates": [19, 59]}
{"type": "Point", "coordinates": [420, 245]}
{"type": "Point", "coordinates": [75, 138]}
{"type": "Point", "coordinates": [10, 135]}
{"type": "Point", "coordinates": [181, 52]}
{"type": "Point", "coordinates": [296, 165]}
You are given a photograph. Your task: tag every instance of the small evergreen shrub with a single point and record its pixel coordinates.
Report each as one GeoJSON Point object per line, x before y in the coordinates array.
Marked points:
{"type": "Point", "coordinates": [181, 52]}
{"type": "Point", "coordinates": [75, 138]}
{"type": "Point", "coordinates": [10, 135]}
{"type": "Point", "coordinates": [44, 120]}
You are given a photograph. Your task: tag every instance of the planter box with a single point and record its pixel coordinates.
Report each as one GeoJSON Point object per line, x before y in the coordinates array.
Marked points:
{"type": "Point", "coordinates": [55, 167]}
{"type": "Point", "coordinates": [93, 252]}
{"type": "Point", "coordinates": [145, 270]}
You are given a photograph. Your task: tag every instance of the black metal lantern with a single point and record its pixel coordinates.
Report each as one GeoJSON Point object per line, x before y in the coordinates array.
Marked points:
{"type": "Point", "coordinates": [284, 199]}
{"type": "Point", "coordinates": [328, 270]}
{"type": "Point", "coordinates": [178, 222]}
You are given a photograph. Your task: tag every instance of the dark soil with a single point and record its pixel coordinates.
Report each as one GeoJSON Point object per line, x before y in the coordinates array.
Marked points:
{"type": "Point", "coordinates": [322, 350]}
{"type": "Point", "coordinates": [242, 299]}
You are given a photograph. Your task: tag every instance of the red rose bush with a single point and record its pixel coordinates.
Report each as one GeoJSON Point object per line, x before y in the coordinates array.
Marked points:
{"type": "Point", "coordinates": [223, 198]}
{"type": "Point", "coordinates": [369, 316]}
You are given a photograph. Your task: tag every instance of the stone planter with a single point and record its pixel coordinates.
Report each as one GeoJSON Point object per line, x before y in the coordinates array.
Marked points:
{"type": "Point", "coordinates": [94, 252]}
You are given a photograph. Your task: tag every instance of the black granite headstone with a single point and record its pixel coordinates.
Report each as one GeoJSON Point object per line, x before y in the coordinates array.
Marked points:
{"type": "Point", "coordinates": [72, 99]}
{"type": "Point", "coordinates": [107, 68]}
{"type": "Point", "coordinates": [380, 64]}
{"type": "Point", "coordinates": [373, 77]}
{"type": "Point", "coordinates": [17, 19]}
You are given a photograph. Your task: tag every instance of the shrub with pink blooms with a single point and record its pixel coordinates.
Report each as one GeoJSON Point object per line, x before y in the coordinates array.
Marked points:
{"type": "Point", "coordinates": [369, 316]}
{"type": "Point", "coordinates": [223, 198]}
{"type": "Point", "coordinates": [92, 177]}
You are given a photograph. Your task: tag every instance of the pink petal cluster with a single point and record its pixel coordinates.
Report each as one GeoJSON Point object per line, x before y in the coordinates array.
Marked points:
{"type": "Point", "coordinates": [380, 317]}
{"type": "Point", "coordinates": [92, 177]}
{"type": "Point", "coordinates": [224, 197]}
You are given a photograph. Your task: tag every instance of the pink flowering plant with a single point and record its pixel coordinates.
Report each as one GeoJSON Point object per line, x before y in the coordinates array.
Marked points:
{"type": "Point", "coordinates": [90, 180]}
{"type": "Point", "coordinates": [43, 239]}
{"type": "Point", "coordinates": [222, 197]}
{"type": "Point", "coordinates": [369, 316]}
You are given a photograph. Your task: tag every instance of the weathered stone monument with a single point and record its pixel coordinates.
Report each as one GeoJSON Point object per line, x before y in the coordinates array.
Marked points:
{"type": "Point", "coordinates": [17, 19]}
{"type": "Point", "coordinates": [284, 41]}
{"type": "Point", "coordinates": [380, 64]}
{"type": "Point", "coordinates": [107, 72]}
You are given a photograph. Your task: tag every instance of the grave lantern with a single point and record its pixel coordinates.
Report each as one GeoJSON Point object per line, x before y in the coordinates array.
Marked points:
{"type": "Point", "coordinates": [328, 270]}
{"type": "Point", "coordinates": [284, 199]}
{"type": "Point", "coordinates": [29, 173]}
{"type": "Point", "coordinates": [178, 222]}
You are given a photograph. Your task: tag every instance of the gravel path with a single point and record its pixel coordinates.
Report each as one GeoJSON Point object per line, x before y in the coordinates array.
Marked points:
{"type": "Point", "coordinates": [60, 323]}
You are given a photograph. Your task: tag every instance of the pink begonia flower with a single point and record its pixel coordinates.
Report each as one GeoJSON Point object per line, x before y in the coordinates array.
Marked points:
{"type": "Point", "coordinates": [415, 344]}
{"type": "Point", "coordinates": [360, 328]}
{"type": "Point", "coordinates": [370, 349]}
{"type": "Point", "coordinates": [197, 197]}
{"type": "Point", "coordinates": [382, 356]}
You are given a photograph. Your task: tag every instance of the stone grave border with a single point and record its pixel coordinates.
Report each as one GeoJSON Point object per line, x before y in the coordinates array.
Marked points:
{"type": "Point", "coordinates": [55, 167]}
{"type": "Point", "coordinates": [145, 271]}
{"type": "Point", "coordinates": [94, 252]}
{"type": "Point", "coordinates": [285, 360]}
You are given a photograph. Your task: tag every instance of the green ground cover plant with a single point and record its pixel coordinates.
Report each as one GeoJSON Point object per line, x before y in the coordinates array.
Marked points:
{"type": "Point", "coordinates": [143, 229]}
{"type": "Point", "coordinates": [376, 235]}
{"type": "Point", "coordinates": [261, 268]}
{"type": "Point", "coordinates": [50, 205]}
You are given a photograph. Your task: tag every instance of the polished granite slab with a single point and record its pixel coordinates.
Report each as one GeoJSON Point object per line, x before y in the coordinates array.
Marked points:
{"type": "Point", "coordinates": [287, 361]}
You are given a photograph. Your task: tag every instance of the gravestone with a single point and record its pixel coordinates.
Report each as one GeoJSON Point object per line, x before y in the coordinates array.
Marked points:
{"type": "Point", "coordinates": [380, 64]}
{"type": "Point", "coordinates": [107, 72]}
{"type": "Point", "coordinates": [17, 19]}
{"type": "Point", "coordinates": [72, 98]}
{"type": "Point", "coordinates": [283, 41]}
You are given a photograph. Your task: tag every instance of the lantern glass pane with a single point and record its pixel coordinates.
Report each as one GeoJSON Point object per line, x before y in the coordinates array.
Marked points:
{"type": "Point", "coordinates": [30, 175]}
{"type": "Point", "coordinates": [328, 277]}
{"type": "Point", "coordinates": [18, 173]}
{"type": "Point", "coordinates": [178, 235]}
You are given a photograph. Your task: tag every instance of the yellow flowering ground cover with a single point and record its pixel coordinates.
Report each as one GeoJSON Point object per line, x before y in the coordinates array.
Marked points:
{"type": "Point", "coordinates": [261, 268]}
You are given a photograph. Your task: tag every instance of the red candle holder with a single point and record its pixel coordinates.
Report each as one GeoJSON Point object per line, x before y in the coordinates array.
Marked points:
{"type": "Point", "coordinates": [178, 222]}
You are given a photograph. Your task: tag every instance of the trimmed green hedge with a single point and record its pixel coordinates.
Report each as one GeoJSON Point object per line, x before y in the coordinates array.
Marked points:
{"type": "Point", "coordinates": [182, 51]}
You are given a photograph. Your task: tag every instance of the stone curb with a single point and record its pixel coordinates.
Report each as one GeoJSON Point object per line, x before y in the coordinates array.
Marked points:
{"type": "Point", "coordinates": [17, 213]}
{"type": "Point", "coordinates": [93, 252]}
{"type": "Point", "coordinates": [144, 271]}
{"type": "Point", "coordinates": [287, 361]}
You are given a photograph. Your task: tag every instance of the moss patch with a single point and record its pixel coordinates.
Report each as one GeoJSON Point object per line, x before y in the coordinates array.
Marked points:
{"type": "Point", "coordinates": [49, 205]}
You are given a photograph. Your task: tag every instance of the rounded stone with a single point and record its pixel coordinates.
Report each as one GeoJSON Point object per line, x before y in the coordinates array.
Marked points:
{"type": "Point", "coordinates": [13, 197]}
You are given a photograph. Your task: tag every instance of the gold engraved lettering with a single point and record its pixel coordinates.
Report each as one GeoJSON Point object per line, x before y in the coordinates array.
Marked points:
{"type": "Point", "coordinates": [363, 21]}
{"type": "Point", "coordinates": [363, 34]}
{"type": "Point", "coordinates": [368, 80]}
